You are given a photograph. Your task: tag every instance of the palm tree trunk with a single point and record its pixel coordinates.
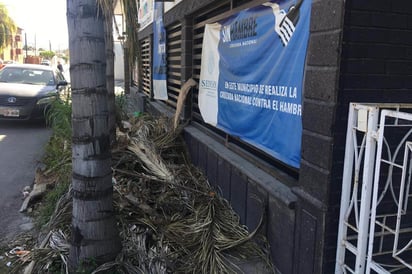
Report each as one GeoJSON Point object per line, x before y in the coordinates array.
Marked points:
{"type": "Point", "coordinates": [94, 233]}
{"type": "Point", "coordinates": [107, 7]}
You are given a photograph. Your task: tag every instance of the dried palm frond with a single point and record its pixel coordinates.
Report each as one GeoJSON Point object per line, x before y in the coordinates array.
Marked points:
{"type": "Point", "coordinates": [52, 252]}
{"type": "Point", "coordinates": [171, 220]}
{"type": "Point", "coordinates": [151, 161]}
{"type": "Point", "coordinates": [200, 229]}
{"type": "Point", "coordinates": [51, 255]}
{"type": "Point", "coordinates": [181, 99]}
{"type": "Point", "coordinates": [62, 214]}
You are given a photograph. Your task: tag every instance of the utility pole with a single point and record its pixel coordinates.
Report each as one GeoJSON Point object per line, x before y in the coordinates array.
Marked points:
{"type": "Point", "coordinates": [25, 42]}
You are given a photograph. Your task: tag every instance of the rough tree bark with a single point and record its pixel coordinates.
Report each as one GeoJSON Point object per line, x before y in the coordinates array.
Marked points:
{"type": "Point", "coordinates": [108, 8]}
{"type": "Point", "coordinates": [94, 234]}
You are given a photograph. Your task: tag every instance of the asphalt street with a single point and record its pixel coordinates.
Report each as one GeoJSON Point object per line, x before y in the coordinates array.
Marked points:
{"type": "Point", "coordinates": [21, 149]}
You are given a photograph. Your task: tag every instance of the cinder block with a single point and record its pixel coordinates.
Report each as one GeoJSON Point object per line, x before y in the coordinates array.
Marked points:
{"type": "Point", "coordinates": [315, 181]}
{"type": "Point", "coordinates": [376, 5]}
{"type": "Point", "coordinates": [324, 49]}
{"type": "Point", "coordinates": [223, 177]}
{"type": "Point", "coordinates": [212, 167]}
{"type": "Point", "coordinates": [401, 6]}
{"type": "Point", "coordinates": [326, 15]}
{"type": "Point", "coordinates": [317, 150]}
{"type": "Point", "coordinates": [281, 229]}
{"type": "Point", "coordinates": [257, 203]}
{"type": "Point", "coordinates": [364, 66]}
{"type": "Point", "coordinates": [318, 117]}
{"type": "Point", "coordinates": [238, 195]}
{"type": "Point", "coordinates": [321, 84]}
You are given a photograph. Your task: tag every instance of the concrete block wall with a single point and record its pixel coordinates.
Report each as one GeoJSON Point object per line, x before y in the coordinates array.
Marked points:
{"type": "Point", "coordinates": [314, 251]}
{"type": "Point", "coordinates": [375, 66]}
{"type": "Point", "coordinates": [359, 50]}
{"type": "Point", "coordinates": [295, 217]}
{"type": "Point", "coordinates": [377, 51]}
{"type": "Point", "coordinates": [252, 193]}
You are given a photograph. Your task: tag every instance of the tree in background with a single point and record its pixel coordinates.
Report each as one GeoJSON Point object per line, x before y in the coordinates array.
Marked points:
{"type": "Point", "coordinates": [47, 54]}
{"type": "Point", "coordinates": [94, 237]}
{"type": "Point", "coordinates": [7, 27]}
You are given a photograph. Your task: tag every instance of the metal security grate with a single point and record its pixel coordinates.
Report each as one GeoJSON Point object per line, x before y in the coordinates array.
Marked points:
{"type": "Point", "coordinates": [174, 60]}
{"type": "Point", "coordinates": [209, 15]}
{"type": "Point", "coordinates": [184, 51]}
{"type": "Point", "coordinates": [146, 79]}
{"type": "Point", "coordinates": [375, 225]}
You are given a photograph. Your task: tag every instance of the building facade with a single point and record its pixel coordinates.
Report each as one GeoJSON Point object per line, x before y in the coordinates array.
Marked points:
{"type": "Point", "coordinates": [357, 51]}
{"type": "Point", "coordinates": [14, 51]}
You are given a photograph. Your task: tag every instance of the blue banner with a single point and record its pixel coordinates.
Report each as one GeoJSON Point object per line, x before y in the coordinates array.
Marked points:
{"type": "Point", "coordinates": [159, 54]}
{"type": "Point", "coordinates": [252, 76]}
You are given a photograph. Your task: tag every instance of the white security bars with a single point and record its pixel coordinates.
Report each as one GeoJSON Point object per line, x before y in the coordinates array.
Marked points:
{"type": "Point", "coordinates": [356, 188]}
{"type": "Point", "coordinates": [375, 225]}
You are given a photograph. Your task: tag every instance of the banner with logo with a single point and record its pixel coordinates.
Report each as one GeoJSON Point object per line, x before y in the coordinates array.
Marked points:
{"type": "Point", "coordinates": [145, 13]}
{"type": "Point", "coordinates": [252, 76]}
{"type": "Point", "coordinates": [159, 54]}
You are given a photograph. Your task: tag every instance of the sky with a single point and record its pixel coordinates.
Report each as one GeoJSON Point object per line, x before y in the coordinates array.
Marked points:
{"type": "Point", "coordinates": [43, 21]}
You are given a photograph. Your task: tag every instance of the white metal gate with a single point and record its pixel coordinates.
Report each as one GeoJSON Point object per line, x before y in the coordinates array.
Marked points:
{"type": "Point", "coordinates": [375, 224]}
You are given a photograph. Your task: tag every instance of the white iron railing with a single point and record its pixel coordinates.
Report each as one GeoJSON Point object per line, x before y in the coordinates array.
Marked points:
{"type": "Point", "coordinates": [375, 224]}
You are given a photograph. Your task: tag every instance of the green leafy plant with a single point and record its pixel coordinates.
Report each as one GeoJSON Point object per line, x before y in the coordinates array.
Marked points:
{"type": "Point", "coordinates": [58, 150]}
{"type": "Point", "coordinates": [59, 114]}
{"type": "Point", "coordinates": [121, 107]}
{"type": "Point", "coordinates": [57, 158]}
{"type": "Point", "coordinates": [52, 197]}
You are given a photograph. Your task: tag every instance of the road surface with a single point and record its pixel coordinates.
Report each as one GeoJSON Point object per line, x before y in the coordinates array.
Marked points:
{"type": "Point", "coordinates": [21, 149]}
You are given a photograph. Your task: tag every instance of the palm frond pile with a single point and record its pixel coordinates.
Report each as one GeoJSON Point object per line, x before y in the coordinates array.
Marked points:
{"type": "Point", "coordinates": [49, 257]}
{"type": "Point", "coordinates": [170, 219]}
{"type": "Point", "coordinates": [170, 206]}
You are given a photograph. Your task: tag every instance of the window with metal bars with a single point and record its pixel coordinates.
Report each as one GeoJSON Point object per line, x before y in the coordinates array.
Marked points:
{"type": "Point", "coordinates": [146, 66]}
{"type": "Point", "coordinates": [250, 152]}
{"type": "Point", "coordinates": [175, 55]}
{"type": "Point", "coordinates": [174, 61]}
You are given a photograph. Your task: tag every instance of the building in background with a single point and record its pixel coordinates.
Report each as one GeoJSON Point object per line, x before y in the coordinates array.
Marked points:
{"type": "Point", "coordinates": [14, 51]}
{"type": "Point", "coordinates": [357, 52]}
{"type": "Point", "coordinates": [118, 40]}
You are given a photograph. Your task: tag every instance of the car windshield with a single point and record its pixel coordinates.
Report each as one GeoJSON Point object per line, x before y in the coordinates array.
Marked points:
{"type": "Point", "coordinates": [30, 76]}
